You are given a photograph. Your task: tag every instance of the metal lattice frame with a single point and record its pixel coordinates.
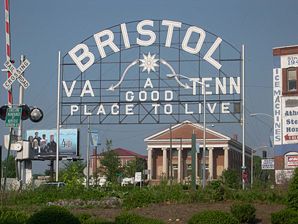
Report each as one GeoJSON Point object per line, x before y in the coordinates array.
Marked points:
{"type": "Point", "coordinates": [108, 70]}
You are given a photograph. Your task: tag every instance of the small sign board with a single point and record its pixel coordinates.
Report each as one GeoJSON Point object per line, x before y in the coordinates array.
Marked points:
{"type": "Point", "coordinates": [267, 164]}
{"type": "Point", "coordinates": [138, 177]}
{"type": "Point", "coordinates": [94, 138]}
{"type": "Point", "coordinates": [13, 117]}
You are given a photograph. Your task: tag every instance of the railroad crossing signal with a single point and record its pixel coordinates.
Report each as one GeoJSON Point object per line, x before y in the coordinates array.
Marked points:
{"type": "Point", "coordinates": [16, 74]}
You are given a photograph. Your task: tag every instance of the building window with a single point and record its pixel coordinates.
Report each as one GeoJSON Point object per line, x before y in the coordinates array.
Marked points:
{"type": "Point", "coordinates": [291, 80]}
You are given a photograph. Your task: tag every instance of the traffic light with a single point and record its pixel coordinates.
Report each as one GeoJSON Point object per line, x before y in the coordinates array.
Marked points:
{"type": "Point", "coordinates": [3, 111]}
{"type": "Point", "coordinates": [25, 112]}
{"type": "Point", "coordinates": [36, 114]}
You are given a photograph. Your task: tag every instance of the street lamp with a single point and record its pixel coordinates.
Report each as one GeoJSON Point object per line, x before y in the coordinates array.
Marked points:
{"type": "Point", "coordinates": [267, 115]}
{"type": "Point", "coordinates": [173, 75]}
{"type": "Point", "coordinates": [261, 114]}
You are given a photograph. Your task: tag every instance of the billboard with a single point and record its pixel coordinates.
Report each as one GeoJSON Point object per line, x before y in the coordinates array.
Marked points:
{"type": "Point", "coordinates": [44, 143]}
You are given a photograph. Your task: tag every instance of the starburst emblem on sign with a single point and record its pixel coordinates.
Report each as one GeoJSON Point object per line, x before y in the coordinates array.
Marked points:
{"type": "Point", "coordinates": [149, 63]}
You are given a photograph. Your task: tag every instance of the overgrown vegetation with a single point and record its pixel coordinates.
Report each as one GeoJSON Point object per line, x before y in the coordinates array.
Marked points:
{"type": "Point", "coordinates": [212, 217]}
{"type": "Point", "coordinates": [110, 163]}
{"type": "Point", "coordinates": [284, 216]}
{"type": "Point", "coordinates": [8, 216]}
{"type": "Point", "coordinates": [292, 197]}
{"type": "Point", "coordinates": [139, 197]}
{"type": "Point", "coordinates": [73, 175]}
{"type": "Point", "coordinates": [289, 215]}
{"type": "Point", "coordinates": [244, 212]}
{"type": "Point", "coordinates": [9, 166]}
{"type": "Point", "coordinates": [53, 215]}
{"type": "Point", "coordinates": [231, 179]}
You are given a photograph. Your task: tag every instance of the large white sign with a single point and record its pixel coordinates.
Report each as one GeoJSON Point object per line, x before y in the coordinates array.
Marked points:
{"type": "Point", "coordinates": [277, 93]}
{"type": "Point", "coordinates": [147, 37]}
{"type": "Point", "coordinates": [150, 78]}
{"type": "Point", "coordinates": [290, 120]}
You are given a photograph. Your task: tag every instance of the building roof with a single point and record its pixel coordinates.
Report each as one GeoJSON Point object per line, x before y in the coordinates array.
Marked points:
{"type": "Point", "coordinates": [126, 152]}
{"type": "Point", "coordinates": [286, 50]}
{"type": "Point", "coordinates": [184, 130]}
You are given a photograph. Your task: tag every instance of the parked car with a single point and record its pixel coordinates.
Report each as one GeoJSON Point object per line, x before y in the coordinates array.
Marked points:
{"type": "Point", "coordinates": [127, 181]}
{"type": "Point", "coordinates": [53, 184]}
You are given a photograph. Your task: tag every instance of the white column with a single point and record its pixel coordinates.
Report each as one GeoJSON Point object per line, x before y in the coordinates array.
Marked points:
{"type": "Point", "coordinates": [149, 163]}
{"type": "Point", "coordinates": [226, 158]}
{"type": "Point", "coordinates": [210, 163]}
{"type": "Point", "coordinates": [165, 162]}
{"type": "Point", "coordinates": [179, 163]}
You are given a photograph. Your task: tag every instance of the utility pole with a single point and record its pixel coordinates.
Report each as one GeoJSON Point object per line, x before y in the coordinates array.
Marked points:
{"type": "Point", "coordinates": [58, 117]}
{"type": "Point", "coordinates": [87, 153]}
{"type": "Point", "coordinates": [171, 157]}
{"type": "Point", "coordinates": [193, 161]}
{"type": "Point", "coordinates": [243, 117]}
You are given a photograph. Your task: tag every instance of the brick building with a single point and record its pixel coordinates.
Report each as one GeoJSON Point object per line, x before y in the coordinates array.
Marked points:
{"type": "Point", "coordinates": [124, 155]}
{"type": "Point", "coordinates": [285, 111]}
{"type": "Point", "coordinates": [222, 152]}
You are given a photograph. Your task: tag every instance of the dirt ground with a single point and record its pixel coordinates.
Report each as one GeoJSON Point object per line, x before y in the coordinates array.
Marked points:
{"type": "Point", "coordinates": [180, 213]}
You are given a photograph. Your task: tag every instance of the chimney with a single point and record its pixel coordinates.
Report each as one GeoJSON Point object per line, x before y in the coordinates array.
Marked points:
{"type": "Point", "coordinates": [235, 137]}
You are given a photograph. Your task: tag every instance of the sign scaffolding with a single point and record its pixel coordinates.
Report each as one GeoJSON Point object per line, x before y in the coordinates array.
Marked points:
{"type": "Point", "coordinates": [121, 75]}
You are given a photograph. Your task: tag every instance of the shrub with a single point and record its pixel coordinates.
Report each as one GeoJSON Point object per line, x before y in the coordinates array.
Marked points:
{"type": "Point", "coordinates": [231, 179]}
{"type": "Point", "coordinates": [212, 217]}
{"type": "Point", "coordinates": [284, 216]}
{"type": "Point", "coordinates": [130, 218]}
{"type": "Point", "coordinates": [53, 215]}
{"type": "Point", "coordinates": [141, 197]}
{"type": "Point", "coordinates": [215, 191]}
{"type": "Point", "coordinates": [244, 212]}
{"type": "Point", "coordinates": [12, 217]}
{"type": "Point", "coordinates": [292, 197]}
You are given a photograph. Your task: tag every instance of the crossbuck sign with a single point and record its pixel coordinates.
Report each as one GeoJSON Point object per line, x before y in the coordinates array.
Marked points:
{"type": "Point", "coordinates": [16, 74]}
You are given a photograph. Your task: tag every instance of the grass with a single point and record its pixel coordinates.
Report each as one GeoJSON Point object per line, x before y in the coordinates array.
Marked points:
{"type": "Point", "coordinates": [139, 197]}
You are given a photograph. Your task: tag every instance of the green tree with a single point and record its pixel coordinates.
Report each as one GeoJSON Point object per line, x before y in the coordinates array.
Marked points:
{"type": "Point", "coordinates": [292, 198]}
{"type": "Point", "coordinates": [10, 167]}
{"type": "Point", "coordinates": [231, 178]}
{"type": "Point", "coordinates": [72, 174]}
{"type": "Point", "coordinates": [257, 167]}
{"type": "Point", "coordinates": [110, 162]}
{"type": "Point", "coordinates": [136, 165]}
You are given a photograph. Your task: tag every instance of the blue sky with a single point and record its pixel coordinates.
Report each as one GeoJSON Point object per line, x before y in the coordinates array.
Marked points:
{"type": "Point", "coordinates": [39, 29]}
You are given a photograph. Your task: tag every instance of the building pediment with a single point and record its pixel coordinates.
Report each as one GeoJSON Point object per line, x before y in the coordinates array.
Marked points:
{"type": "Point", "coordinates": [184, 130]}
